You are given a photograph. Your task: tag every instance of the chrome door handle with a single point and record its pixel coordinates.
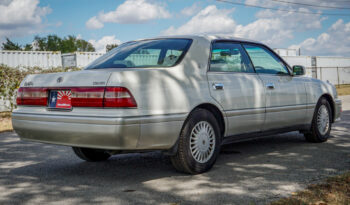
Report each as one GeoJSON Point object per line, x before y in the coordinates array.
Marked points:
{"type": "Point", "coordinates": [270, 85]}
{"type": "Point", "coordinates": [218, 86]}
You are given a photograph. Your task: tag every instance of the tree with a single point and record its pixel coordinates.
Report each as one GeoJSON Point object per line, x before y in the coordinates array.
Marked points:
{"type": "Point", "coordinates": [39, 43]}
{"type": "Point", "coordinates": [68, 44]}
{"type": "Point", "coordinates": [52, 42]}
{"type": "Point", "coordinates": [110, 47]}
{"type": "Point", "coordinates": [28, 47]}
{"type": "Point", "coordinates": [83, 45]}
{"type": "Point", "coordinates": [9, 45]}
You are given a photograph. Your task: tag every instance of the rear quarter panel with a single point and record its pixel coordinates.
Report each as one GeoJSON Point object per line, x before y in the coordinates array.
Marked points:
{"type": "Point", "coordinates": [171, 90]}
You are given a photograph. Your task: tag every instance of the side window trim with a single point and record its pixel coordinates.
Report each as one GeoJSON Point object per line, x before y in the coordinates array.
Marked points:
{"type": "Point", "coordinates": [249, 59]}
{"type": "Point", "coordinates": [229, 41]}
{"type": "Point", "coordinates": [272, 52]}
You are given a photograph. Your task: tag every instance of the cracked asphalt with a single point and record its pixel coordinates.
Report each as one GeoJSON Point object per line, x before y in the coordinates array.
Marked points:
{"type": "Point", "coordinates": [254, 172]}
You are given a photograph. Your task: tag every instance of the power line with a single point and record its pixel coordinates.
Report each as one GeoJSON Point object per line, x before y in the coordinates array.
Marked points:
{"type": "Point", "coordinates": [293, 11]}
{"type": "Point", "coordinates": [344, 1]}
{"type": "Point", "coordinates": [312, 5]}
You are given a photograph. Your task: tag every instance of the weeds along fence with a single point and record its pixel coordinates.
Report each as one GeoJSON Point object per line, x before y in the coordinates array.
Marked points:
{"type": "Point", "coordinates": [10, 79]}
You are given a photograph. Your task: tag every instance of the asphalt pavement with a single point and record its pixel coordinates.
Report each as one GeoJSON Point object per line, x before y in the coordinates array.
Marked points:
{"type": "Point", "coordinates": [254, 172]}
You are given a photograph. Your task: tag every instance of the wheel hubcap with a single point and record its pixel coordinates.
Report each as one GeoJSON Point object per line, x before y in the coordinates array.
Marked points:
{"type": "Point", "coordinates": [323, 119]}
{"type": "Point", "coordinates": [202, 142]}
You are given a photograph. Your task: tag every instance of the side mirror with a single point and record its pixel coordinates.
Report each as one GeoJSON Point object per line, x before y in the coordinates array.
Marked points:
{"type": "Point", "coordinates": [298, 70]}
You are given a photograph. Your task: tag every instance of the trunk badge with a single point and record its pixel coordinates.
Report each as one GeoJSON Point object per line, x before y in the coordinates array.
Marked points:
{"type": "Point", "coordinates": [60, 79]}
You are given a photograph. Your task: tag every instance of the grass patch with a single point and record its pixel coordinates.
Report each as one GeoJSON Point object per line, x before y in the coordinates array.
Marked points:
{"type": "Point", "coordinates": [5, 121]}
{"type": "Point", "coordinates": [343, 89]}
{"type": "Point", "coordinates": [336, 190]}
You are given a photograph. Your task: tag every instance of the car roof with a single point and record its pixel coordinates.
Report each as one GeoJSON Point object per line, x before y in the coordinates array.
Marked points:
{"type": "Point", "coordinates": [207, 37]}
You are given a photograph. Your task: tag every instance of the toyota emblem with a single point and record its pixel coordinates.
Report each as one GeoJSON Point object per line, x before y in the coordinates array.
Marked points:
{"type": "Point", "coordinates": [60, 79]}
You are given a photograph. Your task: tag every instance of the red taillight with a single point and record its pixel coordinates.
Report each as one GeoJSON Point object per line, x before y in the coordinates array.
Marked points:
{"type": "Point", "coordinates": [87, 97]}
{"type": "Point", "coordinates": [109, 97]}
{"type": "Point", "coordinates": [32, 96]}
{"type": "Point", "coordinates": [118, 97]}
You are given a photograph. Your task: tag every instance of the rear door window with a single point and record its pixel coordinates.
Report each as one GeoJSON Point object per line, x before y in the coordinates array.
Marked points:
{"type": "Point", "coordinates": [229, 57]}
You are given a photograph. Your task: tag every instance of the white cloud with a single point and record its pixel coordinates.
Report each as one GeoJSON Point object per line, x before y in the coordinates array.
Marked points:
{"type": "Point", "coordinates": [100, 45]}
{"type": "Point", "coordinates": [130, 12]}
{"type": "Point", "coordinates": [21, 17]}
{"type": "Point", "coordinates": [191, 10]}
{"type": "Point", "coordinates": [268, 31]}
{"type": "Point", "coordinates": [275, 27]}
{"type": "Point", "coordinates": [271, 27]}
{"type": "Point", "coordinates": [59, 24]}
{"type": "Point", "coordinates": [336, 41]}
{"type": "Point", "coordinates": [209, 20]}
{"type": "Point", "coordinates": [79, 36]}
{"type": "Point", "coordinates": [94, 23]}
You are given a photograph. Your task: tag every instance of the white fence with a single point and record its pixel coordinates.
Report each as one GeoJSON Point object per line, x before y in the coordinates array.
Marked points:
{"type": "Point", "coordinates": [43, 59]}
{"type": "Point", "coordinates": [333, 69]}
{"type": "Point", "coordinates": [79, 59]}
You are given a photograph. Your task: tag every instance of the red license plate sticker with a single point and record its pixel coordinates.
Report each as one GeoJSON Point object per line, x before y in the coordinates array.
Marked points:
{"type": "Point", "coordinates": [61, 99]}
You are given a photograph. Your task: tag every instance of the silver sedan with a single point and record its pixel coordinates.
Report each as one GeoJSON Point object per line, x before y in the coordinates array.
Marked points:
{"type": "Point", "coordinates": [184, 95]}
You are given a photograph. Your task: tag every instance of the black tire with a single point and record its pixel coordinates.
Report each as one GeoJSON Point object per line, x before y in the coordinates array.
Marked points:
{"type": "Point", "coordinates": [91, 155]}
{"type": "Point", "coordinates": [314, 135]}
{"type": "Point", "coordinates": [183, 160]}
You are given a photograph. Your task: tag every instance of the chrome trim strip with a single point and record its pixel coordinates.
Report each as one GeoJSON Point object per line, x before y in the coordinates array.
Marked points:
{"type": "Point", "coordinates": [101, 120]}
{"type": "Point", "coordinates": [286, 108]}
{"type": "Point", "coordinates": [310, 106]}
{"type": "Point", "coordinates": [230, 113]}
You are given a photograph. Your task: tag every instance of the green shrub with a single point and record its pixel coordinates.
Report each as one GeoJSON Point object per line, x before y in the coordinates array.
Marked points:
{"type": "Point", "coordinates": [10, 79]}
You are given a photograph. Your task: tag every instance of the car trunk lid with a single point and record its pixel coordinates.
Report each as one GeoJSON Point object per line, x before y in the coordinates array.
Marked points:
{"type": "Point", "coordinates": [84, 78]}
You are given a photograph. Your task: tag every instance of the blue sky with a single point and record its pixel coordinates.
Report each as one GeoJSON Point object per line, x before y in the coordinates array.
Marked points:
{"type": "Point", "coordinates": [115, 21]}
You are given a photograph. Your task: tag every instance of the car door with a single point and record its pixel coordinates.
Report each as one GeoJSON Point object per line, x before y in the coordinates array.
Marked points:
{"type": "Point", "coordinates": [285, 94]}
{"type": "Point", "coordinates": [234, 84]}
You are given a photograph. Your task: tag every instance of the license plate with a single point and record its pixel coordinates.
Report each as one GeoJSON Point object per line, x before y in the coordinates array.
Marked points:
{"type": "Point", "coordinates": [60, 99]}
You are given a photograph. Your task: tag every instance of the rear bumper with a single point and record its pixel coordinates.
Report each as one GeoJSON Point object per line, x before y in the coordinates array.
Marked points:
{"type": "Point", "coordinates": [113, 133]}
{"type": "Point", "coordinates": [338, 109]}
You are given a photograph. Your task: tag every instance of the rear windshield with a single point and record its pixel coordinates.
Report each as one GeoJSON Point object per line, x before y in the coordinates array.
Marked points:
{"type": "Point", "coordinates": [143, 54]}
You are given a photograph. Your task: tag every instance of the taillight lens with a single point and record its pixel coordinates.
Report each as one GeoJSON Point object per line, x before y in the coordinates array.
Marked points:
{"type": "Point", "coordinates": [109, 97]}
{"type": "Point", "coordinates": [118, 97]}
{"type": "Point", "coordinates": [32, 96]}
{"type": "Point", "coordinates": [87, 97]}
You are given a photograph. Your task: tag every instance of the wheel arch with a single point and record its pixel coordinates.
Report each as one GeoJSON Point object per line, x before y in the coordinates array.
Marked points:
{"type": "Point", "coordinates": [217, 114]}
{"type": "Point", "coordinates": [330, 100]}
